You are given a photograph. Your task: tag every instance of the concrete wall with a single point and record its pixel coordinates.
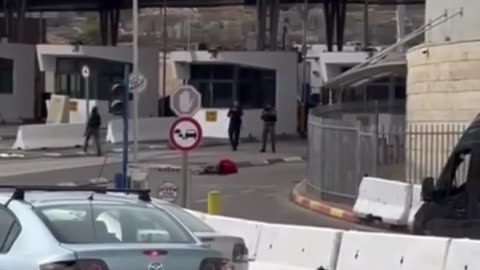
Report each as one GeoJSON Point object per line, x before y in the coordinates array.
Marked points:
{"type": "Point", "coordinates": [19, 105]}
{"type": "Point", "coordinates": [285, 63]}
{"type": "Point", "coordinates": [459, 28]}
{"type": "Point", "coordinates": [148, 65]}
{"type": "Point", "coordinates": [443, 88]}
{"type": "Point", "coordinates": [443, 83]}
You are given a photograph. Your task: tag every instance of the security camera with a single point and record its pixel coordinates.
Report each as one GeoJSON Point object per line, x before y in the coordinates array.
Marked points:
{"type": "Point", "coordinates": [425, 50]}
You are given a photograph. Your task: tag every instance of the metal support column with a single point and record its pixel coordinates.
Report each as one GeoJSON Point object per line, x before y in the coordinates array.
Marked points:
{"type": "Point", "coordinates": [103, 21]}
{"type": "Point", "coordinates": [21, 10]}
{"type": "Point", "coordinates": [114, 19]}
{"type": "Point", "coordinates": [329, 22]}
{"type": "Point", "coordinates": [261, 24]}
{"type": "Point", "coordinates": [366, 29]}
{"type": "Point", "coordinates": [341, 11]}
{"type": "Point", "coordinates": [401, 12]}
{"type": "Point", "coordinates": [6, 22]}
{"type": "Point", "coordinates": [274, 14]}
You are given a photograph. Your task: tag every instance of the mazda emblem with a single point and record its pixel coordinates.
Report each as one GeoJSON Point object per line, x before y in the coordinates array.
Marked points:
{"type": "Point", "coordinates": [155, 266]}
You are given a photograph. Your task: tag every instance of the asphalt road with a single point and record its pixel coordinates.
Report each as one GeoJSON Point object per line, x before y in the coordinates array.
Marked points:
{"type": "Point", "coordinates": [257, 193]}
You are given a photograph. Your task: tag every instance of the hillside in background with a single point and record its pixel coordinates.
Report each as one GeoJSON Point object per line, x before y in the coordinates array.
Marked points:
{"type": "Point", "coordinates": [231, 27]}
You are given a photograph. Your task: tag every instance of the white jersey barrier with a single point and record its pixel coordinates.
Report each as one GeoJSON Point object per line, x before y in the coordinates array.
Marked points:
{"type": "Point", "coordinates": [150, 129]}
{"type": "Point", "coordinates": [376, 251]}
{"type": "Point", "coordinates": [416, 204]}
{"type": "Point", "coordinates": [297, 247]}
{"type": "Point", "coordinates": [248, 230]}
{"type": "Point", "coordinates": [463, 255]}
{"type": "Point", "coordinates": [288, 247]}
{"type": "Point", "coordinates": [49, 136]}
{"type": "Point", "coordinates": [385, 199]}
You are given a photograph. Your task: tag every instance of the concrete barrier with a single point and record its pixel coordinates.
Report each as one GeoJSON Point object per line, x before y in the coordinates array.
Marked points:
{"type": "Point", "coordinates": [375, 251]}
{"type": "Point", "coordinates": [463, 255]}
{"type": "Point", "coordinates": [385, 199]}
{"type": "Point", "coordinates": [416, 204]}
{"type": "Point", "coordinates": [246, 229]}
{"type": "Point", "coordinates": [150, 129]}
{"type": "Point", "coordinates": [297, 247]}
{"type": "Point", "coordinates": [49, 136]}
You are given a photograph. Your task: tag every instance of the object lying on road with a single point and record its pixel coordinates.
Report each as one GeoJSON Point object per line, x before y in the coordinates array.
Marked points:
{"type": "Point", "coordinates": [224, 167]}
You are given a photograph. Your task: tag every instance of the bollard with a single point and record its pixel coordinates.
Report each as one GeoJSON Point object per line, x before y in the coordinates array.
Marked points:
{"type": "Point", "coordinates": [214, 202]}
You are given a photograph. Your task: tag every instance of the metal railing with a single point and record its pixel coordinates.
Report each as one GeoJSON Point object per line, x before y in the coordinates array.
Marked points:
{"type": "Point", "coordinates": [341, 152]}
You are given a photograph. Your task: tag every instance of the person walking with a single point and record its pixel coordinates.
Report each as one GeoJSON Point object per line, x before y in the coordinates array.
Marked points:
{"type": "Point", "coordinates": [269, 117]}
{"type": "Point", "coordinates": [235, 114]}
{"type": "Point", "coordinates": [93, 130]}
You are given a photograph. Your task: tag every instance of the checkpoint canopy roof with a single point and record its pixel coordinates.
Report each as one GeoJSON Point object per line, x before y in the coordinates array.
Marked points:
{"type": "Point", "coordinates": [92, 5]}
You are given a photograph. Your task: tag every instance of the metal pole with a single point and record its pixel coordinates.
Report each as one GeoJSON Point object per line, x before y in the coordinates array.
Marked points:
{"type": "Point", "coordinates": [185, 182]}
{"type": "Point", "coordinates": [366, 38]}
{"type": "Point", "coordinates": [135, 70]}
{"type": "Point", "coordinates": [87, 96]}
{"type": "Point", "coordinates": [304, 52]}
{"type": "Point", "coordinates": [400, 25]}
{"type": "Point", "coordinates": [125, 127]}
{"type": "Point", "coordinates": [189, 22]}
{"type": "Point", "coordinates": [164, 71]}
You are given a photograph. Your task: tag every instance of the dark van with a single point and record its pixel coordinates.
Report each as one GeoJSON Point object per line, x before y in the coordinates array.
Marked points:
{"type": "Point", "coordinates": [451, 205]}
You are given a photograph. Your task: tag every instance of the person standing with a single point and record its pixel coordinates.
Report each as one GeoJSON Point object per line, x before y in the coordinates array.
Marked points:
{"type": "Point", "coordinates": [235, 114]}
{"type": "Point", "coordinates": [269, 117]}
{"type": "Point", "coordinates": [93, 130]}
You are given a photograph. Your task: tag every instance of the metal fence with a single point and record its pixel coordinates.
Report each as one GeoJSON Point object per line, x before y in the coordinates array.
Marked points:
{"type": "Point", "coordinates": [428, 148]}
{"type": "Point", "coordinates": [341, 152]}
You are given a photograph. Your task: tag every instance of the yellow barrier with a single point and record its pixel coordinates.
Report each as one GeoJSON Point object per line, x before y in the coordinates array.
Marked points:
{"type": "Point", "coordinates": [214, 202]}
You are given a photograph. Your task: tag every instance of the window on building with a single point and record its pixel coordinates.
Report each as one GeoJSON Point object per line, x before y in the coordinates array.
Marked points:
{"type": "Point", "coordinates": [6, 76]}
{"type": "Point", "coordinates": [103, 75]}
{"type": "Point", "coordinates": [220, 85]}
{"type": "Point", "coordinates": [400, 92]}
{"type": "Point", "coordinates": [377, 92]}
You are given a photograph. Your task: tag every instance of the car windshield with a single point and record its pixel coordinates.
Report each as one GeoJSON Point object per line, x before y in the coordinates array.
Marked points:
{"type": "Point", "coordinates": [112, 223]}
{"type": "Point", "coordinates": [191, 222]}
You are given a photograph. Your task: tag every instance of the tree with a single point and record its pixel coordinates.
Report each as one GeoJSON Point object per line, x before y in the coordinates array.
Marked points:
{"type": "Point", "coordinates": [89, 32]}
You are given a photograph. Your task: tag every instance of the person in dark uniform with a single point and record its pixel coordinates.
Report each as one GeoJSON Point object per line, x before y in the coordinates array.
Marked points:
{"type": "Point", "coordinates": [269, 117]}
{"type": "Point", "coordinates": [93, 130]}
{"type": "Point", "coordinates": [235, 114]}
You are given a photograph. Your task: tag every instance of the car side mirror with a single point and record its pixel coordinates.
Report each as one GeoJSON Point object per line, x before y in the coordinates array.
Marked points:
{"type": "Point", "coordinates": [428, 189]}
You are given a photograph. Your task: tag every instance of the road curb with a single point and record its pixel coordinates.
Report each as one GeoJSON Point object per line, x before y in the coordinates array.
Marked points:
{"type": "Point", "coordinates": [296, 196]}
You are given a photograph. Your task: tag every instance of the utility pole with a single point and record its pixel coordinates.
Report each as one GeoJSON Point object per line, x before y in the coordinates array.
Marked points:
{"type": "Point", "coordinates": [135, 71]}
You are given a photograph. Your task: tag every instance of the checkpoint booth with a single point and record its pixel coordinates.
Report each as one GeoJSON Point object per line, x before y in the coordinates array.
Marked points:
{"type": "Point", "coordinates": [254, 78]}
{"type": "Point", "coordinates": [63, 64]}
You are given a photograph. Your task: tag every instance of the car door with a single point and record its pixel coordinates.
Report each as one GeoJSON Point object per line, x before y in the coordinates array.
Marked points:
{"type": "Point", "coordinates": [9, 230]}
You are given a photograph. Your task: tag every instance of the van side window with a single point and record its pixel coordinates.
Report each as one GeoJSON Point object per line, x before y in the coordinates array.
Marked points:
{"type": "Point", "coordinates": [461, 172]}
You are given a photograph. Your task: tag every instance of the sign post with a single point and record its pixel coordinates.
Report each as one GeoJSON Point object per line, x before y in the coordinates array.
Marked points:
{"type": "Point", "coordinates": [185, 133]}
{"type": "Point", "coordinates": [86, 76]}
{"type": "Point", "coordinates": [137, 83]}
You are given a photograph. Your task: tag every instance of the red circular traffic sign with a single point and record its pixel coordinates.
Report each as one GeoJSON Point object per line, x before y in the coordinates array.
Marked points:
{"type": "Point", "coordinates": [185, 134]}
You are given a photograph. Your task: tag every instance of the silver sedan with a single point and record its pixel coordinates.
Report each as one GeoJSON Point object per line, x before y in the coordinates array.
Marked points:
{"type": "Point", "coordinates": [63, 228]}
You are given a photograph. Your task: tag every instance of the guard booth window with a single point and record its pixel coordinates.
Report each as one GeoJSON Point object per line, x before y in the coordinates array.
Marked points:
{"type": "Point", "coordinates": [220, 85]}
{"type": "Point", "coordinates": [6, 76]}
{"type": "Point", "coordinates": [103, 74]}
